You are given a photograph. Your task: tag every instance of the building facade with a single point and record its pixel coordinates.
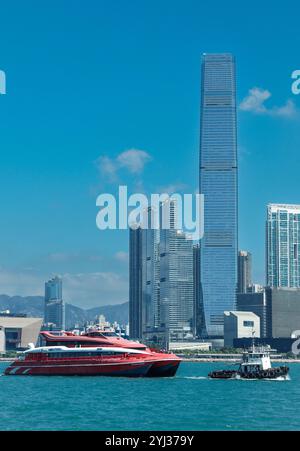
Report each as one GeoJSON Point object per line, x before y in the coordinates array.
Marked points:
{"type": "Point", "coordinates": [218, 184]}
{"type": "Point", "coordinates": [244, 271]}
{"type": "Point", "coordinates": [285, 311]}
{"type": "Point", "coordinates": [240, 325]}
{"type": "Point", "coordinates": [16, 332]}
{"type": "Point", "coordinates": [283, 246]}
{"type": "Point", "coordinates": [256, 302]}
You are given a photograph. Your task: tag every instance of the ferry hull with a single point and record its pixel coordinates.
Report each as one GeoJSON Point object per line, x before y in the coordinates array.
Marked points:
{"type": "Point", "coordinates": [163, 369]}
{"type": "Point", "coordinates": [67, 369]}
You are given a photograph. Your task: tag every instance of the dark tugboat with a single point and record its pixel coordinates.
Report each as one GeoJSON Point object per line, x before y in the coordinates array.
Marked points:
{"type": "Point", "coordinates": [255, 364]}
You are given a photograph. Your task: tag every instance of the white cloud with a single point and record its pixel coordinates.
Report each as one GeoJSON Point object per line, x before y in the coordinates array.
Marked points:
{"type": "Point", "coordinates": [134, 160]}
{"type": "Point", "coordinates": [255, 103]}
{"type": "Point", "coordinates": [122, 256]}
{"type": "Point", "coordinates": [107, 166]}
{"type": "Point", "coordinates": [288, 110]}
{"type": "Point", "coordinates": [255, 100]}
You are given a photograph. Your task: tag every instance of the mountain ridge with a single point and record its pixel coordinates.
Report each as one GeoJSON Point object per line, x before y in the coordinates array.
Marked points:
{"type": "Point", "coordinates": [34, 306]}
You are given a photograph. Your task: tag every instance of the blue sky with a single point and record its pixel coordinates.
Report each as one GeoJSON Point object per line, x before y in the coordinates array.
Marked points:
{"type": "Point", "coordinates": [87, 81]}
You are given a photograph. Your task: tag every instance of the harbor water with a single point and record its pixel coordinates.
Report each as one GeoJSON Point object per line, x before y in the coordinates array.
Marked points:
{"type": "Point", "coordinates": [189, 401]}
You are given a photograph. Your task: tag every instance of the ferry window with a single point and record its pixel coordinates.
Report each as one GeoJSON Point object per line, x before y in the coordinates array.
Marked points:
{"type": "Point", "coordinates": [248, 323]}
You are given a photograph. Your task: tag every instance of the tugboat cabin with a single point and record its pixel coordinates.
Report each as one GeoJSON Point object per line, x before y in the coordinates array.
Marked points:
{"type": "Point", "coordinates": [256, 360]}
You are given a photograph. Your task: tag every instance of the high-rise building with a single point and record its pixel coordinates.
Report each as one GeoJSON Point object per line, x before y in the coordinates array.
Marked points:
{"type": "Point", "coordinates": [143, 278]}
{"type": "Point", "coordinates": [176, 284]}
{"type": "Point", "coordinates": [53, 289]}
{"type": "Point", "coordinates": [218, 184]}
{"type": "Point", "coordinates": [283, 246]}
{"type": "Point", "coordinates": [54, 304]}
{"type": "Point", "coordinates": [198, 304]}
{"type": "Point", "coordinates": [161, 295]}
{"type": "Point", "coordinates": [244, 271]}
{"type": "Point", "coordinates": [150, 273]}
{"type": "Point", "coordinates": [176, 298]}
{"type": "Point", "coordinates": [135, 283]}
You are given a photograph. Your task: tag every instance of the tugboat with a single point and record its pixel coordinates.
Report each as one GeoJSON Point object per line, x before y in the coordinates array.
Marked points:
{"type": "Point", "coordinates": [255, 364]}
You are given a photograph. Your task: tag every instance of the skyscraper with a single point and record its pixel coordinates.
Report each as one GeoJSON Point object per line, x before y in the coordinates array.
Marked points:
{"type": "Point", "coordinates": [283, 246]}
{"type": "Point", "coordinates": [53, 289]}
{"type": "Point", "coordinates": [198, 304]}
{"type": "Point", "coordinates": [161, 295]}
{"type": "Point", "coordinates": [143, 278]}
{"type": "Point", "coordinates": [135, 283]}
{"type": "Point", "coordinates": [54, 304]}
{"type": "Point", "coordinates": [218, 183]}
{"type": "Point", "coordinates": [150, 274]}
{"type": "Point", "coordinates": [176, 294]}
{"type": "Point", "coordinates": [244, 271]}
{"type": "Point", "coordinates": [176, 284]}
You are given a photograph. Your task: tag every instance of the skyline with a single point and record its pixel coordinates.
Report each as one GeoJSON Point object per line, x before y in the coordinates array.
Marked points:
{"type": "Point", "coordinates": [67, 98]}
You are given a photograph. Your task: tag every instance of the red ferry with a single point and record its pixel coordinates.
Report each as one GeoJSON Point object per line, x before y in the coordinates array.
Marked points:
{"type": "Point", "coordinates": [86, 361]}
{"type": "Point", "coordinates": [166, 364]}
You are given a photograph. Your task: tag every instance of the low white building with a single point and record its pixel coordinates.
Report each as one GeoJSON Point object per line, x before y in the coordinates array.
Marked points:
{"type": "Point", "coordinates": [239, 324]}
{"type": "Point", "coordinates": [17, 332]}
{"type": "Point", "coordinates": [190, 346]}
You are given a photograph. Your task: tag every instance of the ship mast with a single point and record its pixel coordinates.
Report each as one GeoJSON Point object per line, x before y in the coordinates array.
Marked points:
{"type": "Point", "coordinates": [253, 341]}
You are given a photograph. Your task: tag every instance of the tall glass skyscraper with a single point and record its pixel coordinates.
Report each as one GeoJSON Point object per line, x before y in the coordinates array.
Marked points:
{"type": "Point", "coordinates": [283, 246]}
{"type": "Point", "coordinates": [161, 290]}
{"type": "Point", "coordinates": [53, 289]}
{"type": "Point", "coordinates": [176, 284]}
{"type": "Point", "coordinates": [135, 282]}
{"type": "Point", "coordinates": [54, 304]}
{"type": "Point", "coordinates": [143, 278]}
{"type": "Point", "coordinates": [218, 183]}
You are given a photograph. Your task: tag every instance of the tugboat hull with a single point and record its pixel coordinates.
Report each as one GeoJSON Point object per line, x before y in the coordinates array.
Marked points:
{"type": "Point", "coordinates": [271, 373]}
{"type": "Point", "coordinates": [223, 374]}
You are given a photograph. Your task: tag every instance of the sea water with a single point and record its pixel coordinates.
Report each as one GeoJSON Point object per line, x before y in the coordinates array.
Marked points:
{"type": "Point", "coordinates": [188, 401]}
